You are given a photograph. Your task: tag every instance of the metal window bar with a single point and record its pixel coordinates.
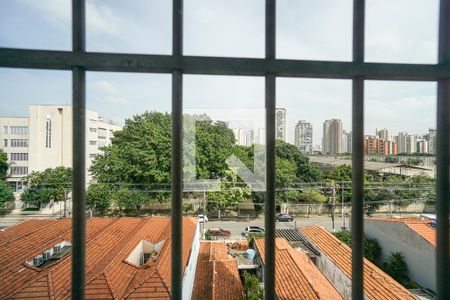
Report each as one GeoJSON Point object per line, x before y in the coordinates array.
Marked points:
{"type": "Point", "coordinates": [79, 61]}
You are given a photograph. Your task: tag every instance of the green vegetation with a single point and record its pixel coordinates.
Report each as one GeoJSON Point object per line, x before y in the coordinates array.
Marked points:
{"type": "Point", "coordinates": [251, 238]}
{"type": "Point", "coordinates": [397, 268]}
{"type": "Point", "coordinates": [3, 164]}
{"type": "Point", "coordinates": [98, 197]}
{"type": "Point", "coordinates": [6, 193]}
{"type": "Point", "coordinates": [252, 289]}
{"type": "Point", "coordinates": [372, 249]}
{"type": "Point", "coordinates": [50, 184]}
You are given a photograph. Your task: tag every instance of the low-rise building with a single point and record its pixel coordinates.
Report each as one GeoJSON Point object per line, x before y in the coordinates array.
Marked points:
{"type": "Point", "coordinates": [335, 262]}
{"type": "Point", "coordinates": [217, 275]}
{"type": "Point", "coordinates": [414, 238]}
{"type": "Point", "coordinates": [43, 139]}
{"type": "Point", "coordinates": [126, 258]}
{"type": "Point", "coordinates": [296, 275]}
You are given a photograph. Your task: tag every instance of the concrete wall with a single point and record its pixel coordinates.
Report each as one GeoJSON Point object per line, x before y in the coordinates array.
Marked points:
{"type": "Point", "coordinates": [189, 272]}
{"type": "Point", "coordinates": [398, 237]}
{"type": "Point", "coordinates": [338, 279]}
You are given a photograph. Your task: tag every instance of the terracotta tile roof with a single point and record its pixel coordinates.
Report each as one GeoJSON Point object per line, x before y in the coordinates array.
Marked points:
{"type": "Point", "coordinates": [421, 226]}
{"type": "Point", "coordinates": [296, 275]}
{"type": "Point", "coordinates": [108, 243]}
{"type": "Point", "coordinates": [217, 275]}
{"type": "Point", "coordinates": [377, 284]}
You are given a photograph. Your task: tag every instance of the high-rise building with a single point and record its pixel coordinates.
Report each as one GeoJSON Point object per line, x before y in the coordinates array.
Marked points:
{"type": "Point", "coordinates": [332, 136]}
{"type": "Point", "coordinates": [304, 136]}
{"type": "Point", "coordinates": [44, 139]}
{"type": "Point", "coordinates": [411, 143]}
{"type": "Point", "coordinates": [347, 142]}
{"type": "Point", "coordinates": [281, 131]}
{"type": "Point", "coordinates": [402, 141]}
{"type": "Point", "coordinates": [422, 146]}
{"type": "Point", "coordinates": [432, 141]}
{"type": "Point", "coordinates": [244, 137]}
{"type": "Point", "coordinates": [261, 138]}
{"type": "Point", "coordinates": [382, 133]}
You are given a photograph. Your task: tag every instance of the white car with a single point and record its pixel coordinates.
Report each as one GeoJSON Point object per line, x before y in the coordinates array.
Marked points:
{"type": "Point", "coordinates": [202, 218]}
{"type": "Point", "coordinates": [253, 229]}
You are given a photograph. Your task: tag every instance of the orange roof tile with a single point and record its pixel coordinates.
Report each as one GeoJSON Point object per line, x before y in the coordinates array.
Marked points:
{"type": "Point", "coordinates": [217, 276]}
{"type": "Point", "coordinates": [108, 244]}
{"type": "Point", "coordinates": [377, 284]}
{"type": "Point", "coordinates": [420, 226]}
{"type": "Point", "coordinates": [296, 276]}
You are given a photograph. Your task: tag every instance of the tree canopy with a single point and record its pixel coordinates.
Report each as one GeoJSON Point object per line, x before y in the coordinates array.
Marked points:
{"type": "Point", "coordinates": [3, 164]}
{"type": "Point", "coordinates": [6, 193]}
{"type": "Point", "coordinates": [50, 184]}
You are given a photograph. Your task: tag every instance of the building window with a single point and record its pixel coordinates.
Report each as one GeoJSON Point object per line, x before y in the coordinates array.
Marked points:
{"type": "Point", "coordinates": [92, 129]}
{"type": "Point", "coordinates": [19, 156]}
{"type": "Point", "coordinates": [19, 170]}
{"type": "Point", "coordinates": [5, 129]}
{"type": "Point", "coordinates": [19, 143]}
{"type": "Point", "coordinates": [19, 129]}
{"type": "Point", "coordinates": [92, 143]}
{"type": "Point", "coordinates": [102, 132]}
{"type": "Point", "coordinates": [48, 132]}
{"type": "Point", "coordinates": [5, 143]}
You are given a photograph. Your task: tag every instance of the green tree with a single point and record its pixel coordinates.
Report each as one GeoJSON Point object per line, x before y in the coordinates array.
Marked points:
{"type": "Point", "coordinates": [126, 199]}
{"type": "Point", "coordinates": [372, 249]}
{"type": "Point", "coordinates": [232, 192]}
{"type": "Point", "coordinates": [3, 164]}
{"type": "Point", "coordinates": [141, 153]}
{"type": "Point", "coordinates": [340, 173]}
{"type": "Point", "coordinates": [98, 197]}
{"type": "Point", "coordinates": [311, 195]}
{"type": "Point", "coordinates": [397, 268]}
{"type": "Point", "coordinates": [252, 289]}
{"type": "Point", "coordinates": [6, 193]}
{"type": "Point", "coordinates": [50, 184]}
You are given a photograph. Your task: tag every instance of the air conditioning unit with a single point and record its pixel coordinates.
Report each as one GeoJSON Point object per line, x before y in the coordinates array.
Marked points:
{"type": "Point", "coordinates": [38, 260]}
{"type": "Point", "coordinates": [46, 255]}
{"type": "Point", "coordinates": [57, 248]}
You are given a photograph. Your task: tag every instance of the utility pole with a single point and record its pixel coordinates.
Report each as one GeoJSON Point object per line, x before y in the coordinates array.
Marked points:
{"type": "Point", "coordinates": [65, 204]}
{"type": "Point", "coordinates": [342, 209]}
{"type": "Point", "coordinates": [333, 203]}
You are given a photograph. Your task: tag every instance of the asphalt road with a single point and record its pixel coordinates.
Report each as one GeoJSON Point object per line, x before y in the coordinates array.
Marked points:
{"type": "Point", "coordinates": [238, 227]}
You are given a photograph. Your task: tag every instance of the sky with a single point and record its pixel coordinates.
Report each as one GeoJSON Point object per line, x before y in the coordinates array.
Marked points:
{"type": "Point", "coordinates": [402, 31]}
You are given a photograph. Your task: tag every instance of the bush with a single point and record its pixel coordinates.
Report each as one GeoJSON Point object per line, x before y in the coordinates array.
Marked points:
{"type": "Point", "coordinates": [372, 249]}
{"type": "Point", "coordinates": [396, 267]}
{"type": "Point", "coordinates": [251, 238]}
{"type": "Point", "coordinates": [252, 289]}
{"type": "Point", "coordinates": [6, 193]}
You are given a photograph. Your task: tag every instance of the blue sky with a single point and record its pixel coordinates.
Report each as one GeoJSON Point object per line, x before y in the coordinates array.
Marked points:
{"type": "Point", "coordinates": [319, 30]}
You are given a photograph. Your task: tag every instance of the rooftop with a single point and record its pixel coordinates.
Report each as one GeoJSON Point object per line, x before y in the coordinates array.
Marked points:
{"type": "Point", "coordinates": [108, 243]}
{"type": "Point", "coordinates": [377, 284]}
{"type": "Point", "coordinates": [420, 226]}
{"type": "Point", "coordinates": [297, 277]}
{"type": "Point", "coordinates": [217, 275]}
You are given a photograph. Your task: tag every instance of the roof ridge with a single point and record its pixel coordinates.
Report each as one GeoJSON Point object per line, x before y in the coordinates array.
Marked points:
{"type": "Point", "coordinates": [108, 282]}
{"type": "Point", "coordinates": [33, 281]}
{"type": "Point", "coordinates": [169, 289]}
{"type": "Point", "coordinates": [213, 278]}
{"type": "Point", "coordinates": [50, 285]}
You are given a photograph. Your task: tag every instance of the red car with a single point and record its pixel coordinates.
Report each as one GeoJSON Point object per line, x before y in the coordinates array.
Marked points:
{"type": "Point", "coordinates": [219, 232]}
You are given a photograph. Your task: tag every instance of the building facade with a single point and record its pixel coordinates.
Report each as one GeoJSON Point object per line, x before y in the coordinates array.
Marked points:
{"type": "Point", "coordinates": [281, 128]}
{"type": "Point", "coordinates": [44, 139]}
{"type": "Point", "coordinates": [304, 136]}
{"type": "Point", "coordinates": [332, 137]}
{"type": "Point", "coordinates": [402, 142]}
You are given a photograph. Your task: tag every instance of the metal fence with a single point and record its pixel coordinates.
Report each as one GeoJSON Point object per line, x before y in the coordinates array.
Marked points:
{"type": "Point", "coordinates": [79, 61]}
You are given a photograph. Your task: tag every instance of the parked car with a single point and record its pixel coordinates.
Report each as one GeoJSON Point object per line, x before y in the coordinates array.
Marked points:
{"type": "Point", "coordinates": [202, 218]}
{"type": "Point", "coordinates": [253, 229]}
{"type": "Point", "coordinates": [219, 232]}
{"type": "Point", "coordinates": [284, 218]}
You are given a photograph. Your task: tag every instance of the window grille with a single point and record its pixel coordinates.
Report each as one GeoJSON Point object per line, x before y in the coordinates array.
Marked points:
{"type": "Point", "coordinates": [79, 61]}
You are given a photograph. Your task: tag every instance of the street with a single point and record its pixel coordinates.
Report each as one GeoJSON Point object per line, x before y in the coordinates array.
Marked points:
{"type": "Point", "coordinates": [238, 227]}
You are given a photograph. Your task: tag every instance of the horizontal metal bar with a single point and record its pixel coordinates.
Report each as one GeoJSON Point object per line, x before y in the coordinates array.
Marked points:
{"type": "Point", "coordinates": [64, 60]}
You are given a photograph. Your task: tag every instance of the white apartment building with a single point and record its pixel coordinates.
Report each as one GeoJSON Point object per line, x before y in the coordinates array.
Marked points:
{"type": "Point", "coordinates": [244, 137]}
{"type": "Point", "coordinates": [281, 127]}
{"type": "Point", "coordinates": [402, 142]}
{"type": "Point", "coordinates": [44, 139]}
{"type": "Point", "coordinates": [304, 136]}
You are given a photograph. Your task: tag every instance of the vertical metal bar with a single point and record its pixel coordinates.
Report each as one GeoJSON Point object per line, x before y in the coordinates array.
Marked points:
{"type": "Point", "coordinates": [358, 154]}
{"type": "Point", "coordinates": [177, 152]}
{"type": "Point", "coordinates": [79, 154]}
{"type": "Point", "coordinates": [442, 157]}
{"type": "Point", "coordinates": [269, 220]}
